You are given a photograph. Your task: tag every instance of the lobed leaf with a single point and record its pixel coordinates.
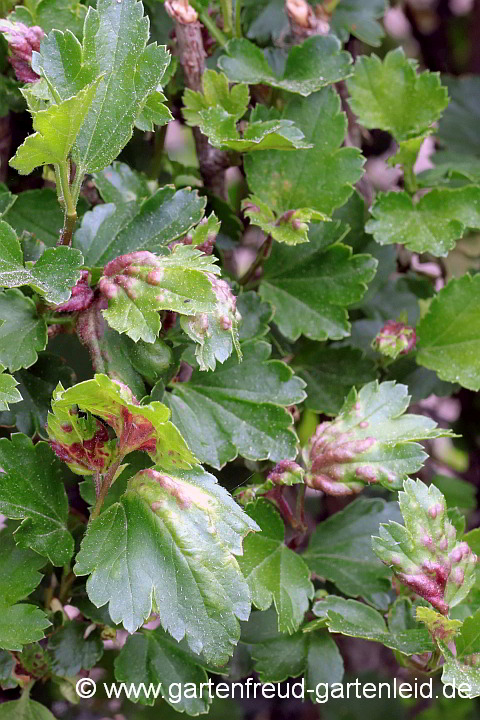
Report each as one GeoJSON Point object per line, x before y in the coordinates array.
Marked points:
{"type": "Point", "coordinates": [320, 178]}
{"type": "Point", "coordinates": [448, 336]}
{"type": "Point", "coordinates": [52, 276]}
{"type": "Point", "coordinates": [33, 492]}
{"type": "Point", "coordinates": [114, 48]}
{"type": "Point", "coordinates": [239, 409]}
{"type": "Point", "coordinates": [20, 623]}
{"type": "Point", "coordinates": [433, 224]}
{"type": "Point", "coordinates": [168, 546]}
{"type": "Point", "coordinates": [317, 62]}
{"type": "Point", "coordinates": [392, 96]}
{"type": "Point", "coordinates": [274, 572]}
{"type": "Point", "coordinates": [311, 286]}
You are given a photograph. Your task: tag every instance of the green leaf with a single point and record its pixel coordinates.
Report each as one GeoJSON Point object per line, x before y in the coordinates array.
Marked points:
{"type": "Point", "coordinates": [49, 14]}
{"type": "Point", "coordinates": [373, 440]}
{"type": "Point", "coordinates": [433, 224]}
{"type": "Point", "coordinates": [310, 286]}
{"type": "Point", "coordinates": [56, 129]}
{"type": "Point", "coordinates": [118, 183]}
{"type": "Point", "coordinates": [448, 336]}
{"type": "Point", "coordinates": [52, 276]}
{"type": "Point", "coordinates": [274, 572]}
{"type": "Point", "coordinates": [22, 332]}
{"type": "Point", "coordinates": [149, 223]}
{"type": "Point", "coordinates": [330, 372]}
{"type": "Point", "coordinates": [217, 109]}
{"type": "Point", "coordinates": [239, 409]}
{"type": "Point", "coordinates": [131, 362]}
{"type": "Point", "coordinates": [425, 554]}
{"type": "Point", "coordinates": [359, 18]}
{"type": "Point", "coordinates": [153, 657]}
{"type": "Point", "coordinates": [33, 492]}
{"type": "Point", "coordinates": [279, 656]}
{"type": "Point", "coordinates": [168, 546]}
{"type": "Point", "coordinates": [71, 651]}
{"type": "Point", "coordinates": [20, 623]}
{"type": "Point", "coordinates": [290, 228]}
{"type": "Point", "coordinates": [115, 49]}
{"type": "Point", "coordinates": [138, 285]}
{"type": "Point", "coordinates": [36, 386]}
{"type": "Point", "coordinates": [392, 96]}
{"type": "Point", "coordinates": [318, 62]}
{"type": "Point", "coordinates": [24, 709]}
{"type": "Point", "coordinates": [321, 178]}
{"type": "Point", "coordinates": [353, 618]}
{"type": "Point", "coordinates": [7, 199]}
{"type": "Point", "coordinates": [458, 126]}
{"type": "Point", "coordinates": [468, 639]}
{"type": "Point", "coordinates": [8, 390]}
{"type": "Point", "coordinates": [340, 550]}
{"type": "Point", "coordinates": [38, 212]}
{"type": "Point", "coordinates": [457, 673]}
{"type": "Point", "coordinates": [145, 427]}
{"type": "Point", "coordinates": [256, 315]}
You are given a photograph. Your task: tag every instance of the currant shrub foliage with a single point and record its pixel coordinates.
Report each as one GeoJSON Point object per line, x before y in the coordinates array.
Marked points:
{"type": "Point", "coordinates": [203, 400]}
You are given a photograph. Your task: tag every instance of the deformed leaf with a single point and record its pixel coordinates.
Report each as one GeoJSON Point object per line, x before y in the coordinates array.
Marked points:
{"type": "Point", "coordinates": [373, 440]}
{"type": "Point", "coordinates": [137, 427]}
{"type": "Point", "coordinates": [425, 553]}
{"type": "Point", "coordinates": [318, 62]}
{"type": "Point", "coordinates": [439, 626]}
{"type": "Point", "coordinates": [290, 228]}
{"type": "Point", "coordinates": [311, 285]}
{"type": "Point", "coordinates": [239, 409]}
{"type": "Point", "coordinates": [144, 223]}
{"type": "Point", "coordinates": [274, 572]}
{"type": "Point", "coordinates": [340, 550]}
{"type": "Point", "coordinates": [216, 334]}
{"type": "Point", "coordinates": [22, 331]}
{"type": "Point", "coordinates": [20, 623]}
{"type": "Point", "coordinates": [392, 96]}
{"type": "Point", "coordinates": [168, 546]}
{"type": "Point", "coordinates": [33, 491]}
{"type": "Point", "coordinates": [139, 284]}
{"type": "Point", "coordinates": [52, 276]}
{"type": "Point", "coordinates": [320, 178]}
{"type": "Point", "coordinates": [448, 336]}
{"type": "Point", "coordinates": [433, 224]}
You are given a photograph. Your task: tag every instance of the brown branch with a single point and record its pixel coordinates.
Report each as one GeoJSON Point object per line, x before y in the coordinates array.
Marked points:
{"type": "Point", "coordinates": [304, 21]}
{"type": "Point", "coordinates": [191, 52]}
